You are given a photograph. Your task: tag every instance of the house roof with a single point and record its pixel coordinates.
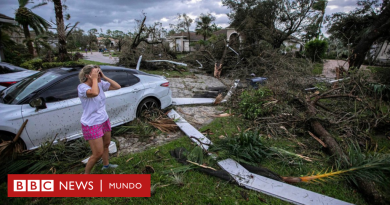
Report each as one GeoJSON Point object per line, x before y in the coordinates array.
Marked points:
{"type": "Point", "coordinates": [6, 19]}
{"type": "Point", "coordinates": [220, 32]}
{"type": "Point", "coordinates": [193, 35]}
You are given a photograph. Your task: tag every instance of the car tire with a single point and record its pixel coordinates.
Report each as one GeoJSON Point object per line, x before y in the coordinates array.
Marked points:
{"type": "Point", "coordinates": [147, 104]}
{"type": "Point", "coordinates": [6, 136]}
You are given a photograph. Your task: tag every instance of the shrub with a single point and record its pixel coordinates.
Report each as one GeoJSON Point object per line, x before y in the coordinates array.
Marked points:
{"type": "Point", "coordinates": [315, 49]}
{"type": "Point", "coordinates": [382, 73]}
{"type": "Point", "coordinates": [16, 54]}
{"type": "Point", "coordinates": [253, 102]}
{"type": "Point", "coordinates": [77, 56]}
{"type": "Point", "coordinates": [48, 65]}
{"type": "Point", "coordinates": [33, 64]}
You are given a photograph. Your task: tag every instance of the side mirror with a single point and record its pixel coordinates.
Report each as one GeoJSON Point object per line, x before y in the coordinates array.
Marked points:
{"type": "Point", "coordinates": [38, 103]}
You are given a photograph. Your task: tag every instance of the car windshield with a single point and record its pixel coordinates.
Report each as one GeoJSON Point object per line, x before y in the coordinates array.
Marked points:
{"type": "Point", "coordinates": [25, 87]}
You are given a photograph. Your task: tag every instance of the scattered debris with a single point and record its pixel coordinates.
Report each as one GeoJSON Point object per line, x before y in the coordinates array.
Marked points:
{"type": "Point", "coordinates": [164, 125]}
{"type": "Point", "coordinates": [148, 170]}
{"type": "Point", "coordinates": [316, 138]}
{"type": "Point", "coordinates": [8, 148]}
{"type": "Point", "coordinates": [275, 188]}
{"type": "Point", "coordinates": [189, 130]}
{"type": "Point", "coordinates": [218, 99]}
{"type": "Point", "coordinates": [223, 115]}
{"type": "Point", "coordinates": [129, 159]}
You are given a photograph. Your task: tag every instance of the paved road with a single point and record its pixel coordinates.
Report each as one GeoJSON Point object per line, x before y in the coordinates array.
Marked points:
{"type": "Point", "coordinates": [97, 56]}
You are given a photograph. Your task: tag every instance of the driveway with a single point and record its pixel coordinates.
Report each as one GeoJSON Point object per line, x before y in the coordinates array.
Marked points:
{"type": "Point", "coordinates": [99, 57]}
{"type": "Point", "coordinates": [329, 70]}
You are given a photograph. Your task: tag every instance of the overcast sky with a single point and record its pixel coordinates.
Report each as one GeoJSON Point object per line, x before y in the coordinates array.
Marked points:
{"type": "Point", "coordinates": [120, 14]}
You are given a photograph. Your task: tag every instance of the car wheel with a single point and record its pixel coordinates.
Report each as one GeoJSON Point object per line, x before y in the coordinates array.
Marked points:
{"type": "Point", "coordinates": [6, 136]}
{"type": "Point", "coordinates": [146, 105]}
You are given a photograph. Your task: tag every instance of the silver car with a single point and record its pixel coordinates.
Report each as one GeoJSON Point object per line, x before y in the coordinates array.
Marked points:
{"type": "Point", "coordinates": [10, 74]}
{"type": "Point", "coordinates": [50, 102]}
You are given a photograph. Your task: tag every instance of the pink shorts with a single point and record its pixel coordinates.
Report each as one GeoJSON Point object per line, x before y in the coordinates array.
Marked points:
{"type": "Point", "coordinates": [96, 131]}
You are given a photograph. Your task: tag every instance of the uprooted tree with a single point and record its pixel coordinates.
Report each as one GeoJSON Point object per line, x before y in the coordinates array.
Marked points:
{"type": "Point", "coordinates": [146, 41]}
{"type": "Point", "coordinates": [270, 20]}
{"type": "Point", "coordinates": [366, 25]}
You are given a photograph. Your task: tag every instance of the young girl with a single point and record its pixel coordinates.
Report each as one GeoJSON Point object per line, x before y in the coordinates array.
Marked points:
{"type": "Point", "coordinates": [95, 124]}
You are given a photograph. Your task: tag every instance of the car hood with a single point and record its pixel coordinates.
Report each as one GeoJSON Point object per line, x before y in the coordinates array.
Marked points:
{"type": "Point", "coordinates": [16, 76]}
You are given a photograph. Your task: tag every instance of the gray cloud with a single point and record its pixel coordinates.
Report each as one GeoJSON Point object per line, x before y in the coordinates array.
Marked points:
{"type": "Point", "coordinates": [120, 14]}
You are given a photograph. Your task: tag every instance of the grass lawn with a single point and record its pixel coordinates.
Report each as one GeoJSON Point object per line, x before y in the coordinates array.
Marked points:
{"type": "Point", "coordinates": [86, 62]}
{"type": "Point", "coordinates": [318, 67]}
{"type": "Point", "coordinates": [200, 188]}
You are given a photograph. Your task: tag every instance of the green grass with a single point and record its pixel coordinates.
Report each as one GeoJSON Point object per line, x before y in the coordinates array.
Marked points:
{"type": "Point", "coordinates": [201, 188]}
{"type": "Point", "coordinates": [318, 67]}
{"type": "Point", "coordinates": [86, 62]}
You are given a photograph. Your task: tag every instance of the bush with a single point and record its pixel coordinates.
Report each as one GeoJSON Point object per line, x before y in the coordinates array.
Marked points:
{"type": "Point", "coordinates": [16, 54]}
{"type": "Point", "coordinates": [33, 64]}
{"type": "Point", "coordinates": [316, 49]}
{"type": "Point", "coordinates": [382, 73]}
{"type": "Point", "coordinates": [253, 102]}
{"type": "Point", "coordinates": [77, 56]}
{"type": "Point", "coordinates": [48, 65]}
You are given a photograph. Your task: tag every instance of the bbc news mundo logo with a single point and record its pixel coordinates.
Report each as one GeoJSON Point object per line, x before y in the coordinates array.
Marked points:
{"type": "Point", "coordinates": [79, 185]}
{"type": "Point", "coordinates": [33, 185]}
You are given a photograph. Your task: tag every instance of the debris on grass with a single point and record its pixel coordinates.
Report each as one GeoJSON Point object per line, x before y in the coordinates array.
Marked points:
{"type": "Point", "coordinates": [218, 99]}
{"type": "Point", "coordinates": [12, 148]}
{"type": "Point", "coordinates": [148, 170]}
{"type": "Point", "coordinates": [177, 179]}
{"type": "Point", "coordinates": [164, 125]}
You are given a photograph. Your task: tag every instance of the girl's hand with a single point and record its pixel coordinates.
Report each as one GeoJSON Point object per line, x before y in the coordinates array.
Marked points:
{"type": "Point", "coordinates": [102, 74]}
{"type": "Point", "coordinates": [94, 74]}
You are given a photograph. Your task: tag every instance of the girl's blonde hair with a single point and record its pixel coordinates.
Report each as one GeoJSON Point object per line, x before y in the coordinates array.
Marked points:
{"type": "Point", "coordinates": [84, 71]}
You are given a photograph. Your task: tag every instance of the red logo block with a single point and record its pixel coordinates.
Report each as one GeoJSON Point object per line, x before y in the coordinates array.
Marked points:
{"type": "Point", "coordinates": [78, 185]}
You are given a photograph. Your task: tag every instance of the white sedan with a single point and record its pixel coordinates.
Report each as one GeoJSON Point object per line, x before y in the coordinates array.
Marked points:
{"type": "Point", "coordinates": [49, 101]}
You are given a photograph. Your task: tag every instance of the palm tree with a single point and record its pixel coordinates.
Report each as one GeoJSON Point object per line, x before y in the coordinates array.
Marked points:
{"type": "Point", "coordinates": [62, 51]}
{"type": "Point", "coordinates": [26, 18]}
{"type": "Point", "coordinates": [203, 25]}
{"type": "Point", "coordinates": [41, 41]}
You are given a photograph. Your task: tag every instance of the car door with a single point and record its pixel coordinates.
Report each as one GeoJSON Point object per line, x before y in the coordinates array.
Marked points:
{"type": "Point", "coordinates": [62, 116]}
{"type": "Point", "coordinates": [121, 105]}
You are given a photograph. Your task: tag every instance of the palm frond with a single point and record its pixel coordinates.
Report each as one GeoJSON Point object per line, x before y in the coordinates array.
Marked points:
{"type": "Point", "coordinates": [23, 3]}
{"type": "Point", "coordinates": [367, 166]}
{"type": "Point", "coordinates": [39, 5]}
{"type": "Point", "coordinates": [247, 147]}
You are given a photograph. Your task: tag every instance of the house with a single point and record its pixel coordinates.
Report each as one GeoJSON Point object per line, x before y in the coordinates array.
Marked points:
{"type": "Point", "coordinates": [381, 52]}
{"type": "Point", "coordinates": [101, 43]}
{"type": "Point", "coordinates": [181, 43]}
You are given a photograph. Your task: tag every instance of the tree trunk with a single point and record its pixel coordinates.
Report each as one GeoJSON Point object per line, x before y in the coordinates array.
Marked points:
{"type": "Point", "coordinates": [62, 51]}
{"type": "Point", "coordinates": [28, 39]}
{"type": "Point", "coordinates": [137, 39]}
{"type": "Point", "coordinates": [189, 40]}
{"type": "Point", "coordinates": [379, 29]}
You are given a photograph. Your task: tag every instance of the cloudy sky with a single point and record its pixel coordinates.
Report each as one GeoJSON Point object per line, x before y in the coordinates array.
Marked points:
{"type": "Point", "coordinates": [120, 14]}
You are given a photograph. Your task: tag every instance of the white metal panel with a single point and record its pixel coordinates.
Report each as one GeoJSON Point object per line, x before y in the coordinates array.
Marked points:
{"type": "Point", "coordinates": [232, 89]}
{"type": "Point", "coordinates": [192, 101]}
{"type": "Point", "coordinates": [275, 188]}
{"type": "Point", "coordinates": [168, 61]}
{"type": "Point", "coordinates": [190, 131]}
